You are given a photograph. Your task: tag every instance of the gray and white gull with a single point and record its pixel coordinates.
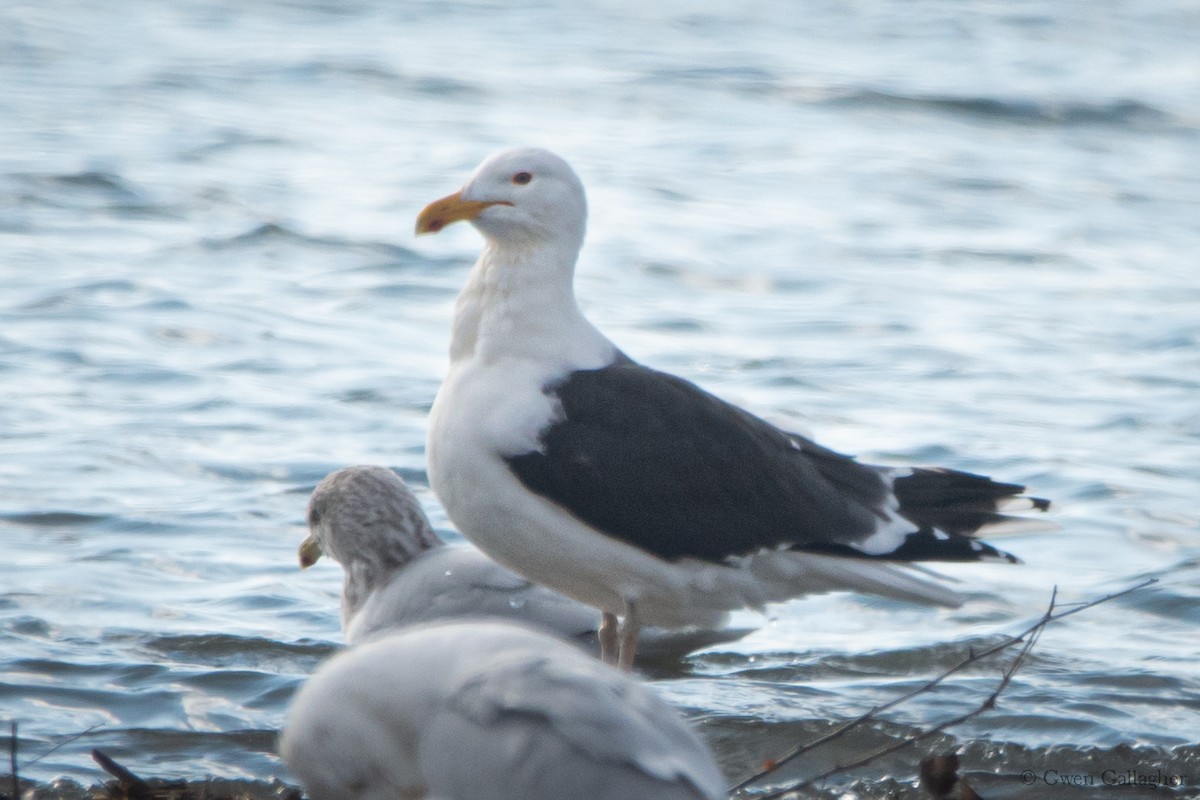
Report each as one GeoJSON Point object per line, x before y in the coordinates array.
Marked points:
{"type": "Point", "coordinates": [636, 491]}
{"type": "Point", "coordinates": [398, 572]}
{"type": "Point", "coordinates": [487, 711]}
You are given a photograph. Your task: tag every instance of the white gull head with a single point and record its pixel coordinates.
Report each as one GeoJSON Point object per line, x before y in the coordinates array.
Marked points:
{"type": "Point", "coordinates": [519, 302]}
{"type": "Point", "coordinates": [526, 197]}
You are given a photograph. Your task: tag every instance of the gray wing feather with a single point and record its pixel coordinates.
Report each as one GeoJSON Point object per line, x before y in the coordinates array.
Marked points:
{"type": "Point", "coordinates": [460, 582]}
{"type": "Point", "coordinates": [454, 582]}
{"type": "Point", "coordinates": [551, 729]}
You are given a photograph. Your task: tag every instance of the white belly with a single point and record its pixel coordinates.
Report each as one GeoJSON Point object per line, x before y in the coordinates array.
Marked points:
{"type": "Point", "coordinates": [478, 419]}
{"type": "Point", "coordinates": [474, 423]}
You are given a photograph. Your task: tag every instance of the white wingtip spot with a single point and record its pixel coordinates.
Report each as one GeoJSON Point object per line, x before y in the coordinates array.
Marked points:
{"type": "Point", "coordinates": [1016, 504]}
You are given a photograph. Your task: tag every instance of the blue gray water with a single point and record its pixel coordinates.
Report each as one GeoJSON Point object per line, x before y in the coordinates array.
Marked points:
{"type": "Point", "coordinates": [934, 232]}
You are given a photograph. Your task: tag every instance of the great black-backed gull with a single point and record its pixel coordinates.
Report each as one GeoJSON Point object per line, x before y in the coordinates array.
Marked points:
{"type": "Point", "coordinates": [636, 491]}
{"type": "Point", "coordinates": [399, 572]}
{"type": "Point", "coordinates": [487, 711]}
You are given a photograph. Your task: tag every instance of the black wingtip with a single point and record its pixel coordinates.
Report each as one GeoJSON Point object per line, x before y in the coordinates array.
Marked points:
{"type": "Point", "coordinates": [933, 545]}
{"type": "Point", "coordinates": [960, 502]}
{"type": "Point", "coordinates": [926, 544]}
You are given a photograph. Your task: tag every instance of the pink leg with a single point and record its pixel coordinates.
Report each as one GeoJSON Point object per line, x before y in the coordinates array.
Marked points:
{"type": "Point", "coordinates": [608, 638]}
{"type": "Point", "coordinates": [630, 629]}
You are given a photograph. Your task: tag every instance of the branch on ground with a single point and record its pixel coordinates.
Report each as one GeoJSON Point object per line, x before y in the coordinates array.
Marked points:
{"type": "Point", "coordinates": [1027, 638]}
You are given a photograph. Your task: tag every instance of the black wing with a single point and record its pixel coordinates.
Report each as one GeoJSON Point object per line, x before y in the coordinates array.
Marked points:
{"type": "Point", "coordinates": [657, 462]}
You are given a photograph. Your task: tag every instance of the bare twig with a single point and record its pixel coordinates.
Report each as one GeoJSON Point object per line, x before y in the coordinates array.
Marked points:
{"type": "Point", "coordinates": [64, 743]}
{"type": "Point", "coordinates": [12, 762]}
{"type": "Point", "coordinates": [1029, 636]}
{"type": "Point", "coordinates": [987, 704]}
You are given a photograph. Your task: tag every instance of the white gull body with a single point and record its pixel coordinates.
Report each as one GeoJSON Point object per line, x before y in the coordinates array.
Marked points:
{"type": "Point", "coordinates": [632, 490]}
{"type": "Point", "coordinates": [487, 711]}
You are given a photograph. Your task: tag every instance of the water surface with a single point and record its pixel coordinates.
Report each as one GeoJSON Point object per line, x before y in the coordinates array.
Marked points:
{"type": "Point", "coordinates": [924, 232]}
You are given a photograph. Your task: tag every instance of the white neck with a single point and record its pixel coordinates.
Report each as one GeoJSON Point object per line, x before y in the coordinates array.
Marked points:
{"type": "Point", "coordinates": [519, 303]}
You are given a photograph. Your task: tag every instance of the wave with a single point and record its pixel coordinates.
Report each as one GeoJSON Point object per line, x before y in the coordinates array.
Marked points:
{"type": "Point", "coordinates": [274, 234]}
{"type": "Point", "coordinates": [1055, 111]}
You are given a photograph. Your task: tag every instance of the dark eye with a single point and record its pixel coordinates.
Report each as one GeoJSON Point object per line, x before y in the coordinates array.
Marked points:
{"type": "Point", "coordinates": [522, 178]}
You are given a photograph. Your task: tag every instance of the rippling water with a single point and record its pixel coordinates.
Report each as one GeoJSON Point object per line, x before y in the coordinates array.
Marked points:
{"type": "Point", "coordinates": [936, 232]}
